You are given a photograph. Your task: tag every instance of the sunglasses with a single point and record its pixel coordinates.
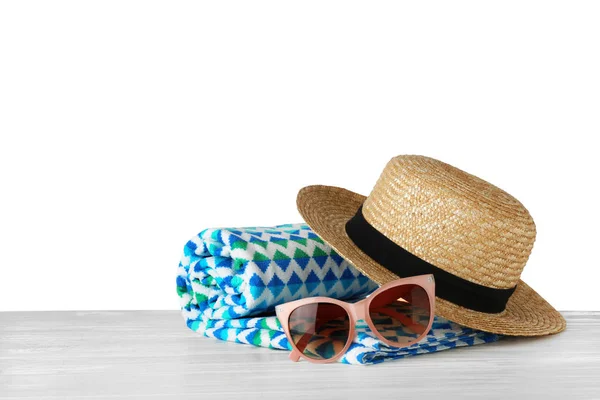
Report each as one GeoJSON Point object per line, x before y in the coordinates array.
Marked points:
{"type": "Point", "coordinates": [321, 329]}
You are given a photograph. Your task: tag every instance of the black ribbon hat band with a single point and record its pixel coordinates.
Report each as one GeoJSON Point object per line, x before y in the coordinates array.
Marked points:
{"type": "Point", "coordinates": [404, 264]}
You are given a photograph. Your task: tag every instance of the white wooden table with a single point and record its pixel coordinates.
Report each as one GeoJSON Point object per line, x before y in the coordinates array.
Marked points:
{"type": "Point", "coordinates": [151, 354]}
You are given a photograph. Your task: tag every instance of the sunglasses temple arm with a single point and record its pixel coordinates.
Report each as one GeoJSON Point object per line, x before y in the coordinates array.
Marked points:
{"type": "Point", "coordinates": [304, 340]}
{"type": "Point", "coordinates": [402, 318]}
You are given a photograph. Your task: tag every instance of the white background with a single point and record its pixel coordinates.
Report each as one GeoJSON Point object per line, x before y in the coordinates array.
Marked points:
{"type": "Point", "coordinates": [129, 126]}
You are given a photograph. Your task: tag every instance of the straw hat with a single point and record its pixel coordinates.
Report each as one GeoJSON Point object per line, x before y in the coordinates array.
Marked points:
{"type": "Point", "coordinates": [425, 216]}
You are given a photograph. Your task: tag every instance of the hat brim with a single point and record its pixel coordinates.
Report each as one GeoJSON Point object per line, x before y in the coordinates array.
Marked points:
{"type": "Point", "coordinates": [326, 209]}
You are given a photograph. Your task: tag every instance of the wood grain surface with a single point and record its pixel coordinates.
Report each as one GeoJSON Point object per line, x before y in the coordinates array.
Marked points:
{"type": "Point", "coordinates": [151, 354]}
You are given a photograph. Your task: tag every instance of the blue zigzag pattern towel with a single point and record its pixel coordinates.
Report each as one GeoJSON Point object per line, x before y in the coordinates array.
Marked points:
{"type": "Point", "coordinates": [230, 280]}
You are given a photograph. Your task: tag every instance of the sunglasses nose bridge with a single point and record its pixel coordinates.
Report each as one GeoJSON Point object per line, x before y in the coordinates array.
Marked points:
{"type": "Point", "coordinates": [358, 311]}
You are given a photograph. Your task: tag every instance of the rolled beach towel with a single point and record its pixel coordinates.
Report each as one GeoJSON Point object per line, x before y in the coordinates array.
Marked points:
{"type": "Point", "coordinates": [230, 280]}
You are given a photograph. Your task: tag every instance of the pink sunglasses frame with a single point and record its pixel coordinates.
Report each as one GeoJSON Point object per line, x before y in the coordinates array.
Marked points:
{"type": "Point", "coordinates": [356, 311]}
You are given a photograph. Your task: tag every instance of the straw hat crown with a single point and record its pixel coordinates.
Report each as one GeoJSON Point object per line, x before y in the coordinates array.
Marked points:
{"type": "Point", "coordinates": [453, 220]}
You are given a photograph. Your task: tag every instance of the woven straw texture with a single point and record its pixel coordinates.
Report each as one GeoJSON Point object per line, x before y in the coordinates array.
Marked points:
{"type": "Point", "coordinates": [451, 219]}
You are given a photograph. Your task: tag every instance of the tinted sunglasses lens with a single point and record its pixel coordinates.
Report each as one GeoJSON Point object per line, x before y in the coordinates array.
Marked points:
{"type": "Point", "coordinates": [319, 330]}
{"type": "Point", "coordinates": [401, 314]}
